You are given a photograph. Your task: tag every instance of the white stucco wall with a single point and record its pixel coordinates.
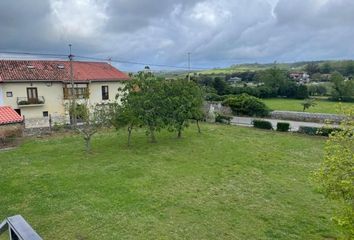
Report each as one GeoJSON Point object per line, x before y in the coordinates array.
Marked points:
{"type": "Point", "coordinates": [96, 91]}
{"type": "Point", "coordinates": [52, 93]}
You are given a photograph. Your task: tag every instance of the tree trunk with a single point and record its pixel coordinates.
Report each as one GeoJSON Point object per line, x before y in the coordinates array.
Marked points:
{"type": "Point", "coordinates": [152, 135]}
{"type": "Point", "coordinates": [199, 131]}
{"type": "Point", "coordinates": [179, 134]}
{"type": "Point", "coordinates": [88, 143]}
{"type": "Point", "coordinates": [129, 134]}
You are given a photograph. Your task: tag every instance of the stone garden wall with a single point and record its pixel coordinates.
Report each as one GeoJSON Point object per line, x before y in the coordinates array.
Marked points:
{"type": "Point", "coordinates": [306, 117]}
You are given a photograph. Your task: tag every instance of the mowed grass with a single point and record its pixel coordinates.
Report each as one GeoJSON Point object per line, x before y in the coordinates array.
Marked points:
{"type": "Point", "coordinates": [322, 105]}
{"type": "Point", "coordinates": [226, 183]}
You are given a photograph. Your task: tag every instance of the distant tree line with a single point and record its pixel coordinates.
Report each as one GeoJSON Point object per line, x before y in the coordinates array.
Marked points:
{"type": "Point", "coordinates": [275, 82]}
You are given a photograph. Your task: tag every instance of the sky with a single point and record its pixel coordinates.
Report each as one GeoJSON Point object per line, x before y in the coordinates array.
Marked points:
{"type": "Point", "coordinates": [217, 33]}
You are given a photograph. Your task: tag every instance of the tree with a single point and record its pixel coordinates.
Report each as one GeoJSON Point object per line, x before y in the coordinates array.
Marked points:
{"type": "Point", "coordinates": [342, 90]}
{"type": "Point", "coordinates": [336, 174]}
{"type": "Point", "coordinates": [92, 118]}
{"type": "Point", "coordinates": [145, 94]}
{"type": "Point", "coordinates": [273, 77]}
{"type": "Point", "coordinates": [124, 116]}
{"type": "Point", "coordinates": [301, 92]}
{"type": "Point", "coordinates": [326, 68]}
{"type": "Point", "coordinates": [349, 68]}
{"type": "Point", "coordinates": [184, 100]}
{"type": "Point", "coordinates": [307, 103]}
{"type": "Point", "coordinates": [312, 68]}
{"type": "Point", "coordinates": [220, 85]}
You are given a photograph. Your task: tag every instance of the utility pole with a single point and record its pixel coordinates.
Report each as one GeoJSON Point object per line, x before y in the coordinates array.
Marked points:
{"type": "Point", "coordinates": [73, 93]}
{"type": "Point", "coordinates": [189, 66]}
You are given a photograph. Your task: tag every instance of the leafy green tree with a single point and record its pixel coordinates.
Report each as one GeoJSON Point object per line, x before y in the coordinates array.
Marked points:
{"type": "Point", "coordinates": [92, 118]}
{"type": "Point", "coordinates": [273, 77]}
{"type": "Point", "coordinates": [301, 92]}
{"type": "Point", "coordinates": [326, 68]}
{"type": "Point", "coordinates": [220, 85]}
{"type": "Point", "coordinates": [342, 90]}
{"type": "Point", "coordinates": [349, 68]}
{"type": "Point", "coordinates": [145, 94]}
{"type": "Point", "coordinates": [307, 103]}
{"type": "Point", "coordinates": [336, 174]}
{"type": "Point", "coordinates": [183, 100]}
{"type": "Point", "coordinates": [124, 115]}
{"type": "Point", "coordinates": [312, 68]}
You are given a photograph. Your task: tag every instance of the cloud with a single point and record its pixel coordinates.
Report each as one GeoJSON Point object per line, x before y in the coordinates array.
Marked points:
{"type": "Point", "coordinates": [216, 32]}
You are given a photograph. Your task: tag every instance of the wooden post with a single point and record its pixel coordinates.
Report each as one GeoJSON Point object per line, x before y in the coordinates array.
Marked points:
{"type": "Point", "coordinates": [50, 122]}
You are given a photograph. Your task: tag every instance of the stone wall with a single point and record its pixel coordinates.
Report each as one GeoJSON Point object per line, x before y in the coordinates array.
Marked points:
{"type": "Point", "coordinates": [44, 122]}
{"type": "Point", "coordinates": [11, 131]}
{"type": "Point", "coordinates": [212, 108]}
{"type": "Point", "coordinates": [306, 117]}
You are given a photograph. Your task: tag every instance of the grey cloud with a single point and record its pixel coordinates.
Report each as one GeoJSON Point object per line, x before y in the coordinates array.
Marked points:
{"type": "Point", "coordinates": [217, 32]}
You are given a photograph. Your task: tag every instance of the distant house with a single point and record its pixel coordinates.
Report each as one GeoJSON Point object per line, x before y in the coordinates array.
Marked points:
{"type": "Point", "coordinates": [37, 88]}
{"type": "Point", "coordinates": [234, 80]}
{"type": "Point", "coordinates": [300, 77]}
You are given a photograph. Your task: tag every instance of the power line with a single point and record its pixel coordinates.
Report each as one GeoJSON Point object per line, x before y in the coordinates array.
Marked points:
{"type": "Point", "coordinates": [56, 55]}
{"type": "Point", "coordinates": [34, 54]}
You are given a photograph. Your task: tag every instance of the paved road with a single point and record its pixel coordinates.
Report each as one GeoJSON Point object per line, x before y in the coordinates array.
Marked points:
{"type": "Point", "coordinates": [294, 125]}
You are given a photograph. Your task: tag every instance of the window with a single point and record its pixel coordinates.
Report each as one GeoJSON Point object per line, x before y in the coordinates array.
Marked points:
{"type": "Point", "coordinates": [45, 114]}
{"type": "Point", "coordinates": [32, 95]}
{"type": "Point", "coordinates": [9, 94]}
{"type": "Point", "coordinates": [105, 94]}
{"type": "Point", "coordinates": [80, 92]}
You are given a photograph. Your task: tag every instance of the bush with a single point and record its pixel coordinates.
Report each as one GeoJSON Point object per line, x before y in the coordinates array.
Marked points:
{"type": "Point", "coordinates": [262, 124]}
{"type": "Point", "coordinates": [223, 119]}
{"type": "Point", "coordinates": [283, 126]}
{"type": "Point", "coordinates": [245, 104]}
{"type": "Point", "coordinates": [324, 131]}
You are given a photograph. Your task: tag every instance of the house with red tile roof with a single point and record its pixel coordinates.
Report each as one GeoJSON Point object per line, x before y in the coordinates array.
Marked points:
{"type": "Point", "coordinates": [39, 88]}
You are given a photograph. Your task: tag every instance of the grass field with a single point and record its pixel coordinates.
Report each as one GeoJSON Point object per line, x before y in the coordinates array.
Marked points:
{"type": "Point", "coordinates": [322, 105]}
{"type": "Point", "coordinates": [226, 183]}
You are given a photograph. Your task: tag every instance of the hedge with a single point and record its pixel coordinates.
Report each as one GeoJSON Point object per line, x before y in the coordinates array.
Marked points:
{"type": "Point", "coordinates": [283, 126]}
{"type": "Point", "coordinates": [323, 131]}
{"type": "Point", "coordinates": [262, 124]}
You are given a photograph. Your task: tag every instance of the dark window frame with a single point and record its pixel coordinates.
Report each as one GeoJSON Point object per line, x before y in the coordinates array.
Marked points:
{"type": "Point", "coordinates": [9, 94]}
{"type": "Point", "coordinates": [105, 92]}
{"type": "Point", "coordinates": [32, 94]}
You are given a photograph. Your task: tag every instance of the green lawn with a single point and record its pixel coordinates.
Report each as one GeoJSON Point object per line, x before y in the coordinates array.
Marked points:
{"type": "Point", "coordinates": [322, 105]}
{"type": "Point", "coordinates": [226, 183]}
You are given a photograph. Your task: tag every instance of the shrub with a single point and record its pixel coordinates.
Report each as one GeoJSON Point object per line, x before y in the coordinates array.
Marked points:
{"type": "Point", "coordinates": [308, 130]}
{"type": "Point", "coordinates": [58, 127]}
{"type": "Point", "coordinates": [324, 131]}
{"type": "Point", "coordinates": [223, 119]}
{"type": "Point", "coordinates": [245, 104]}
{"type": "Point", "coordinates": [283, 126]}
{"type": "Point", "coordinates": [262, 124]}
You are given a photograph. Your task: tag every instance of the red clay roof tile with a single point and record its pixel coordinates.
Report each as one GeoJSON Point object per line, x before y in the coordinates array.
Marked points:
{"type": "Point", "coordinates": [32, 70]}
{"type": "Point", "coordinates": [8, 115]}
